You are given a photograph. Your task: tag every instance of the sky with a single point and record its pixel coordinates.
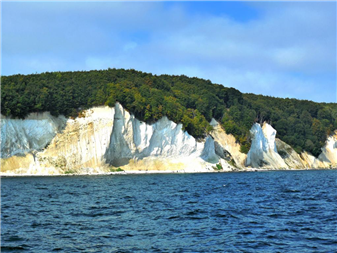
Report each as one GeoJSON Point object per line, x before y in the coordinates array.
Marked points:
{"type": "Point", "coordinates": [280, 49]}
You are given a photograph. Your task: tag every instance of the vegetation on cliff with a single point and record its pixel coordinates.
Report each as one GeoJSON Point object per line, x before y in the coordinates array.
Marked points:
{"type": "Point", "coordinates": [190, 101]}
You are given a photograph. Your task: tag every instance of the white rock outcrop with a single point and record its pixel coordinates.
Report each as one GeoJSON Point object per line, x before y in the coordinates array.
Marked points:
{"type": "Point", "coordinates": [104, 139]}
{"type": "Point", "coordinates": [19, 136]}
{"type": "Point", "coordinates": [163, 144]}
{"type": "Point", "coordinates": [289, 155]}
{"type": "Point", "coordinates": [263, 152]}
{"type": "Point", "coordinates": [227, 145]}
{"type": "Point", "coordinates": [81, 144]}
{"type": "Point", "coordinates": [329, 151]}
{"type": "Point", "coordinates": [328, 157]}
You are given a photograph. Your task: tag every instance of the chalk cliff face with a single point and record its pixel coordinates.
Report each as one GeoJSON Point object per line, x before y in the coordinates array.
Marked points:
{"type": "Point", "coordinates": [289, 155]}
{"type": "Point", "coordinates": [329, 151]}
{"type": "Point", "coordinates": [226, 146]}
{"type": "Point", "coordinates": [135, 145]}
{"type": "Point", "coordinates": [272, 153]}
{"type": "Point", "coordinates": [263, 152]}
{"type": "Point", "coordinates": [328, 157]}
{"type": "Point", "coordinates": [81, 144]}
{"type": "Point", "coordinates": [20, 136]}
{"type": "Point", "coordinates": [104, 139]}
{"type": "Point", "coordinates": [132, 139]}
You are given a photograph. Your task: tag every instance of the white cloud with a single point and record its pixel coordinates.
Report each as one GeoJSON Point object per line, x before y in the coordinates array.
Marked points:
{"type": "Point", "coordinates": [290, 48]}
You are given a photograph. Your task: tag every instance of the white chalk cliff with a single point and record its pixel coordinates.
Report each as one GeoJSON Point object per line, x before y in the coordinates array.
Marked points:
{"type": "Point", "coordinates": [329, 151]}
{"type": "Point", "coordinates": [101, 141]}
{"type": "Point", "coordinates": [226, 146]}
{"type": "Point", "coordinates": [328, 157]}
{"type": "Point", "coordinates": [263, 152]}
{"type": "Point", "coordinates": [271, 153]}
{"type": "Point", "coordinates": [289, 155]}
{"type": "Point", "coordinates": [19, 136]}
{"type": "Point", "coordinates": [105, 138]}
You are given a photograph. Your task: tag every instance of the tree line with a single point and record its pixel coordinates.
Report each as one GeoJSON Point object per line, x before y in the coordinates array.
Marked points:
{"type": "Point", "coordinates": [190, 101]}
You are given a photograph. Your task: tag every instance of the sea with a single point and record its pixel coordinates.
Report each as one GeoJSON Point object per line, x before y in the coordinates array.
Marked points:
{"type": "Point", "coordinates": [272, 211]}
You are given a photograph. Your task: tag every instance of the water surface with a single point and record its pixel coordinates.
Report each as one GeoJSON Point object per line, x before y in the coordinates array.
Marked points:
{"type": "Point", "coordinates": [278, 211]}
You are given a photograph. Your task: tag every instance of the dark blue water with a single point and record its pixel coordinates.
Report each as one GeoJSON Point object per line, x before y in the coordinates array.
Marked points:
{"type": "Point", "coordinates": [281, 211]}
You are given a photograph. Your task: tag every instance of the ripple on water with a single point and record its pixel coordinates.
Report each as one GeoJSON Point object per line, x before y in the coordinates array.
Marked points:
{"type": "Point", "coordinates": [221, 212]}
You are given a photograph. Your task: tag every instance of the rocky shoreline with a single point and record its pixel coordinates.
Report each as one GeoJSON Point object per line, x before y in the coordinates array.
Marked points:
{"type": "Point", "coordinates": [157, 172]}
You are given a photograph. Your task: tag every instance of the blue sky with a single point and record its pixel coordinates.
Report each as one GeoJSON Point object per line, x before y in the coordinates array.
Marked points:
{"type": "Point", "coordinates": [282, 49]}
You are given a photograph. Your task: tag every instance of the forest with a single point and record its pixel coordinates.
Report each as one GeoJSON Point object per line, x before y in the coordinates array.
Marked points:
{"type": "Point", "coordinates": [193, 102]}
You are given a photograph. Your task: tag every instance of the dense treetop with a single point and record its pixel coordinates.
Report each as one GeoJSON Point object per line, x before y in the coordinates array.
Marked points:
{"type": "Point", "coordinates": [190, 101]}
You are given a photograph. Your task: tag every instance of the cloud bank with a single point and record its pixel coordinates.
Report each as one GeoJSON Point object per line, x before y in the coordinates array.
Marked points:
{"type": "Point", "coordinates": [285, 49]}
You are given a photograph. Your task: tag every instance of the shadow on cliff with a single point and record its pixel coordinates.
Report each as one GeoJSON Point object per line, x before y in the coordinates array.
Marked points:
{"type": "Point", "coordinates": [118, 153]}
